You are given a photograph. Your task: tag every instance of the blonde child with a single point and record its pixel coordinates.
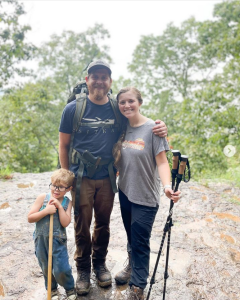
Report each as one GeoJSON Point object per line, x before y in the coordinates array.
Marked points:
{"type": "Point", "coordinates": [60, 206]}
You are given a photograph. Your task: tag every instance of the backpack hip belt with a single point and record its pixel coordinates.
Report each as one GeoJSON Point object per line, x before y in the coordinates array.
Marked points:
{"type": "Point", "coordinates": [92, 165]}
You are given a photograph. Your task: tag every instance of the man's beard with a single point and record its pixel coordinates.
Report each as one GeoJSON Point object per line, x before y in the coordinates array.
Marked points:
{"type": "Point", "coordinates": [98, 94]}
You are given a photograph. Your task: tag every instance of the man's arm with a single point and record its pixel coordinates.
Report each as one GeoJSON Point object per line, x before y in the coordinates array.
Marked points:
{"type": "Point", "coordinates": [64, 143]}
{"type": "Point", "coordinates": [160, 129]}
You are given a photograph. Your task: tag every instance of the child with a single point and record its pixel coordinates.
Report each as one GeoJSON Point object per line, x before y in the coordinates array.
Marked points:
{"type": "Point", "coordinates": [60, 206]}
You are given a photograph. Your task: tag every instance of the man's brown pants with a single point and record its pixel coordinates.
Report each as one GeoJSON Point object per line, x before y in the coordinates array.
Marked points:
{"type": "Point", "coordinates": [95, 195]}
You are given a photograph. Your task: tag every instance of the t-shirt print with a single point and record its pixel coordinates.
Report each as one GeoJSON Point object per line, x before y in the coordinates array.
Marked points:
{"type": "Point", "coordinates": [138, 144]}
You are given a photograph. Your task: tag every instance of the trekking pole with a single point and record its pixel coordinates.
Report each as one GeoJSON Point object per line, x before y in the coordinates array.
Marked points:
{"type": "Point", "coordinates": [50, 258]}
{"type": "Point", "coordinates": [177, 172]}
{"type": "Point", "coordinates": [175, 165]}
{"type": "Point", "coordinates": [179, 177]}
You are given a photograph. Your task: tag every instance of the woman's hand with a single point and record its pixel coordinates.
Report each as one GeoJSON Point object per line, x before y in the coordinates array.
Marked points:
{"type": "Point", "coordinates": [173, 196]}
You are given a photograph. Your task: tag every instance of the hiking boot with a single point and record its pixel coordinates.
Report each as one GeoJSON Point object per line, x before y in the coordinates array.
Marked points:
{"type": "Point", "coordinates": [135, 293]}
{"type": "Point", "coordinates": [124, 275]}
{"type": "Point", "coordinates": [83, 282]}
{"type": "Point", "coordinates": [54, 295]}
{"type": "Point", "coordinates": [102, 273]}
{"type": "Point", "coordinates": [71, 295]}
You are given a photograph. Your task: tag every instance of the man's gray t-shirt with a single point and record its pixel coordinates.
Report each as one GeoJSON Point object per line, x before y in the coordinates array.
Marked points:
{"type": "Point", "coordinates": [138, 173]}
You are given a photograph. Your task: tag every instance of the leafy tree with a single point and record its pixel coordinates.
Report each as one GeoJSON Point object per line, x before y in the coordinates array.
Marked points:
{"type": "Point", "coordinates": [29, 127]}
{"type": "Point", "coordinates": [66, 56]}
{"type": "Point", "coordinates": [221, 37]}
{"type": "Point", "coordinates": [190, 75]}
{"type": "Point", "coordinates": [169, 62]}
{"type": "Point", "coordinates": [13, 48]}
{"type": "Point", "coordinates": [165, 68]}
{"type": "Point", "coordinates": [120, 83]}
{"type": "Point", "coordinates": [31, 113]}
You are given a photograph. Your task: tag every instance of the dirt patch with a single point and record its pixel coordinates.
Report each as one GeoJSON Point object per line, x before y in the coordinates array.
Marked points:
{"type": "Point", "coordinates": [1, 290]}
{"type": "Point", "coordinates": [227, 238]}
{"type": "Point", "coordinates": [24, 185]}
{"type": "Point", "coordinates": [204, 250]}
{"type": "Point", "coordinates": [4, 205]}
{"type": "Point", "coordinates": [227, 216]}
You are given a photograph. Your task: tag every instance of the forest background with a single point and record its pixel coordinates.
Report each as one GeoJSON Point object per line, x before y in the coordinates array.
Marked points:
{"type": "Point", "coordinates": [189, 76]}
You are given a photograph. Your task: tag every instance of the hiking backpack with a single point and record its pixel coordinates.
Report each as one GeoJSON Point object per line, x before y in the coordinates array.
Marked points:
{"type": "Point", "coordinates": [80, 92]}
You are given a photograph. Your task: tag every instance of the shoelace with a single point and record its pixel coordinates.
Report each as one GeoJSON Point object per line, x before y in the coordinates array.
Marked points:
{"type": "Point", "coordinates": [102, 269]}
{"type": "Point", "coordinates": [70, 293]}
{"type": "Point", "coordinates": [83, 275]}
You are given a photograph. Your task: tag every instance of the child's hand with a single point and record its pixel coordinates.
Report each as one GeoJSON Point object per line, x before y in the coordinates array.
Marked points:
{"type": "Point", "coordinates": [173, 196]}
{"type": "Point", "coordinates": [54, 201]}
{"type": "Point", "coordinates": [51, 209]}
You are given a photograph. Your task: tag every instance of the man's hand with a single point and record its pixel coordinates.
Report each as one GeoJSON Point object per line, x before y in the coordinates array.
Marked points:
{"type": "Point", "coordinates": [160, 129]}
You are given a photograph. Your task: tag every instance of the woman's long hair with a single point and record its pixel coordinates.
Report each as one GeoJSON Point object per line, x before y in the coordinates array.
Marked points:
{"type": "Point", "coordinates": [118, 146]}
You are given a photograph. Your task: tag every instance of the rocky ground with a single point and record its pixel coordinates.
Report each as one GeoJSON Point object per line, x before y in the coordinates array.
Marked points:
{"type": "Point", "coordinates": [204, 256]}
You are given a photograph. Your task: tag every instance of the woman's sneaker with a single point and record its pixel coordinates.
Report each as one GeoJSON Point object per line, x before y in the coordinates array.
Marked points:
{"type": "Point", "coordinates": [71, 295]}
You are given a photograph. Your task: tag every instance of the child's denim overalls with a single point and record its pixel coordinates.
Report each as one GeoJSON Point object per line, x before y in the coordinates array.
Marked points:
{"type": "Point", "coordinates": [61, 270]}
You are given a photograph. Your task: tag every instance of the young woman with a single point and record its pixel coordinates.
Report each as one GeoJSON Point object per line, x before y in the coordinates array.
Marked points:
{"type": "Point", "coordinates": [140, 157]}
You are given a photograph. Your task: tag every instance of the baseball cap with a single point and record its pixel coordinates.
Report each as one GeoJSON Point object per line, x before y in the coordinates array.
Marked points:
{"type": "Point", "coordinates": [97, 64]}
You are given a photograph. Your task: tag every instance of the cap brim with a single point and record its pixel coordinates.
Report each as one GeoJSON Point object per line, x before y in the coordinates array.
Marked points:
{"type": "Point", "coordinates": [99, 67]}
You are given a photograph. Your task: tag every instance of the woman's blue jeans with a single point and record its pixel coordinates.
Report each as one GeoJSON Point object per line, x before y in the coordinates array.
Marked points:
{"type": "Point", "coordinates": [138, 221]}
{"type": "Point", "coordinates": [61, 270]}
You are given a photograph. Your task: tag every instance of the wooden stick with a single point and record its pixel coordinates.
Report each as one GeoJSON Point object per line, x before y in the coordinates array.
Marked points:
{"type": "Point", "coordinates": [50, 257]}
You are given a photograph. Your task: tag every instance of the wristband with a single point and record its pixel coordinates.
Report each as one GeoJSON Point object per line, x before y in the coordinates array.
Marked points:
{"type": "Point", "coordinates": [167, 186]}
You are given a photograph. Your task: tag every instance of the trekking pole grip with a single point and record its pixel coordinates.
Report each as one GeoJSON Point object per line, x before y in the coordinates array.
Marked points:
{"type": "Point", "coordinates": [175, 164]}
{"type": "Point", "coordinates": [175, 159]}
{"type": "Point", "coordinates": [184, 159]}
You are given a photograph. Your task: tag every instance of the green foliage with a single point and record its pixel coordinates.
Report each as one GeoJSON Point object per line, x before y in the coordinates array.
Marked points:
{"type": "Point", "coordinates": [13, 48]}
{"type": "Point", "coordinates": [187, 87]}
{"type": "Point", "coordinates": [230, 175]}
{"type": "Point", "coordinates": [120, 83]}
{"type": "Point", "coordinates": [168, 63]}
{"type": "Point", "coordinates": [65, 57]}
{"type": "Point", "coordinates": [188, 76]}
{"type": "Point", "coordinates": [6, 173]}
{"type": "Point", "coordinates": [29, 127]}
{"type": "Point", "coordinates": [30, 114]}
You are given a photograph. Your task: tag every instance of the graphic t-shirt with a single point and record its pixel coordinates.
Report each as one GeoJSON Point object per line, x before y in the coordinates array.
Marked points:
{"type": "Point", "coordinates": [99, 139]}
{"type": "Point", "coordinates": [138, 174]}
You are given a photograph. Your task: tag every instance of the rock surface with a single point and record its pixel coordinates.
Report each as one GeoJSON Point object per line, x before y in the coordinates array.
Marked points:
{"type": "Point", "coordinates": [204, 255]}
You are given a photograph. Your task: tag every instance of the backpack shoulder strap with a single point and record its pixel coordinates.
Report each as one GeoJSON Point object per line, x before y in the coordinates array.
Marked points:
{"type": "Point", "coordinates": [80, 109]}
{"type": "Point", "coordinates": [116, 111]}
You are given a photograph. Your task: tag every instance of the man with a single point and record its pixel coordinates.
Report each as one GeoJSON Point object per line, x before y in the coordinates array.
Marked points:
{"type": "Point", "coordinates": [97, 134]}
